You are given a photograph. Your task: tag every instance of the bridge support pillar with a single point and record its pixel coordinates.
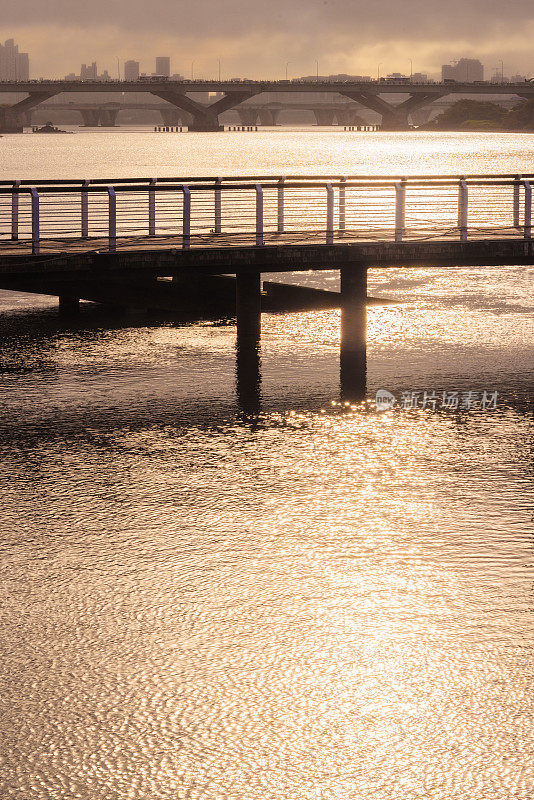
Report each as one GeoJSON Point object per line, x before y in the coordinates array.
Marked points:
{"type": "Point", "coordinates": [247, 116]}
{"type": "Point", "coordinates": [9, 122]}
{"type": "Point", "coordinates": [353, 351]}
{"type": "Point", "coordinates": [69, 304]}
{"type": "Point", "coordinates": [395, 117]}
{"type": "Point", "coordinates": [205, 117]}
{"type": "Point", "coordinates": [12, 117]}
{"type": "Point", "coordinates": [324, 117]}
{"type": "Point", "coordinates": [269, 116]}
{"type": "Point", "coordinates": [91, 117]}
{"type": "Point", "coordinates": [248, 305]}
{"type": "Point", "coordinates": [248, 312]}
{"type": "Point", "coordinates": [108, 117]}
{"type": "Point", "coordinates": [174, 116]}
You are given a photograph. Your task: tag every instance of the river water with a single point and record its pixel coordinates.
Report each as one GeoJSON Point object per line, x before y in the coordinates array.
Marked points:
{"type": "Point", "coordinates": [318, 602]}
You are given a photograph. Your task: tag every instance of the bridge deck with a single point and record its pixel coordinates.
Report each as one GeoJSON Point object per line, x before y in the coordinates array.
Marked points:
{"type": "Point", "coordinates": [220, 223]}
{"type": "Point", "coordinates": [143, 259]}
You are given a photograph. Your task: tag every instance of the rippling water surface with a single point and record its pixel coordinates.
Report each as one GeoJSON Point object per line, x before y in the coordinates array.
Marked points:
{"type": "Point", "coordinates": [320, 601]}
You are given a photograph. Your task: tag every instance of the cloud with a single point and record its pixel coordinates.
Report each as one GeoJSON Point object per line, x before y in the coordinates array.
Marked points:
{"type": "Point", "coordinates": [257, 39]}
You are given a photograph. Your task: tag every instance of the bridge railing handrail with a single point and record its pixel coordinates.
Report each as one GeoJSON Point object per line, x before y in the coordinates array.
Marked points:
{"type": "Point", "coordinates": [380, 207]}
{"type": "Point", "coordinates": [270, 184]}
{"type": "Point", "coordinates": [78, 182]}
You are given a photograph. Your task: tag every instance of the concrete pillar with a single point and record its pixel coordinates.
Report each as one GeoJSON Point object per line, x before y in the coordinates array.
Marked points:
{"type": "Point", "coordinates": [248, 305]}
{"type": "Point", "coordinates": [269, 116]}
{"type": "Point", "coordinates": [108, 117]}
{"type": "Point", "coordinates": [353, 352]}
{"type": "Point", "coordinates": [248, 312]}
{"type": "Point", "coordinates": [205, 123]}
{"type": "Point", "coordinates": [395, 121]}
{"type": "Point", "coordinates": [173, 116]}
{"type": "Point", "coordinates": [91, 117]}
{"type": "Point", "coordinates": [247, 116]}
{"type": "Point", "coordinates": [10, 122]}
{"type": "Point", "coordinates": [69, 304]}
{"type": "Point", "coordinates": [323, 116]}
{"type": "Point", "coordinates": [248, 376]}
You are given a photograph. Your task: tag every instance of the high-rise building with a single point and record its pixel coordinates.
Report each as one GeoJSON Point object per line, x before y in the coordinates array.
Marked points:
{"type": "Point", "coordinates": [466, 70]}
{"type": "Point", "coordinates": [131, 70]}
{"type": "Point", "coordinates": [89, 73]}
{"type": "Point", "coordinates": [14, 66]}
{"type": "Point", "coordinates": [163, 66]}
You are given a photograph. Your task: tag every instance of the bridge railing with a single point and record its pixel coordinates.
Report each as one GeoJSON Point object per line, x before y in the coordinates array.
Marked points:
{"type": "Point", "coordinates": [55, 216]}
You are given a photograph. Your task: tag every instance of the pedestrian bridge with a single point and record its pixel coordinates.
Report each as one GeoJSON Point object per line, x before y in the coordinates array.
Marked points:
{"type": "Point", "coordinates": [106, 239]}
{"type": "Point", "coordinates": [205, 212]}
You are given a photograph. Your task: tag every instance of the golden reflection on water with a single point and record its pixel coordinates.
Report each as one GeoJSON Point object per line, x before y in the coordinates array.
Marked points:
{"type": "Point", "coordinates": [318, 601]}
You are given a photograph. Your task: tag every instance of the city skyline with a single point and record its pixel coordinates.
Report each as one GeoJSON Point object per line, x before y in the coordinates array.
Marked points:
{"type": "Point", "coordinates": [249, 41]}
{"type": "Point", "coordinates": [14, 64]}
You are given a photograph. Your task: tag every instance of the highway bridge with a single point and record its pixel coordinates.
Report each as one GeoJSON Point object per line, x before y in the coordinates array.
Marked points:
{"type": "Point", "coordinates": [231, 94]}
{"type": "Point", "coordinates": [264, 114]}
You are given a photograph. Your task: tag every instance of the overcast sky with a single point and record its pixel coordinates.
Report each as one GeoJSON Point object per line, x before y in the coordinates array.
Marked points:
{"type": "Point", "coordinates": [257, 38]}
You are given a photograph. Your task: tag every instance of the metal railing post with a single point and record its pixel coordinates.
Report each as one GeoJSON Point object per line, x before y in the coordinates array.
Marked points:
{"type": "Point", "coordinates": [218, 205]}
{"type": "Point", "coordinates": [329, 214]}
{"type": "Point", "coordinates": [36, 239]}
{"type": "Point", "coordinates": [280, 226]}
{"type": "Point", "coordinates": [186, 219]}
{"type": "Point", "coordinates": [152, 207]}
{"type": "Point", "coordinates": [342, 204]}
{"type": "Point", "coordinates": [259, 214]}
{"type": "Point", "coordinates": [400, 209]}
{"type": "Point", "coordinates": [517, 185]}
{"type": "Point", "coordinates": [112, 219]}
{"type": "Point", "coordinates": [15, 211]}
{"type": "Point", "coordinates": [462, 209]}
{"type": "Point", "coordinates": [527, 229]}
{"type": "Point", "coordinates": [85, 210]}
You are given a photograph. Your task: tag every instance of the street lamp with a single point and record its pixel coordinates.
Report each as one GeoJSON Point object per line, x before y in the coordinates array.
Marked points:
{"type": "Point", "coordinates": [317, 69]}
{"type": "Point", "coordinates": [192, 69]}
{"type": "Point", "coordinates": [378, 71]}
{"type": "Point", "coordinates": [287, 65]}
{"type": "Point", "coordinates": [502, 71]}
{"type": "Point", "coordinates": [411, 68]}
{"type": "Point", "coordinates": [219, 60]}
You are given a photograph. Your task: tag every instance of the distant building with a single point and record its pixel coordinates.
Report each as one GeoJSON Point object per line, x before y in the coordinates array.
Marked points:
{"type": "Point", "coordinates": [131, 70]}
{"type": "Point", "coordinates": [420, 77]}
{"type": "Point", "coordinates": [163, 66]}
{"type": "Point", "coordinates": [466, 70]}
{"type": "Point", "coordinates": [14, 66]}
{"type": "Point", "coordinates": [88, 73]}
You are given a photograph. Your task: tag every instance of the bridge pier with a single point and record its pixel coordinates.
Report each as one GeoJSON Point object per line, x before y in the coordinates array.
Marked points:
{"type": "Point", "coordinates": [349, 116]}
{"type": "Point", "coordinates": [174, 116]}
{"type": "Point", "coordinates": [269, 116]}
{"type": "Point", "coordinates": [323, 117]}
{"type": "Point", "coordinates": [247, 116]}
{"type": "Point", "coordinates": [248, 313]}
{"type": "Point", "coordinates": [12, 117]}
{"type": "Point", "coordinates": [205, 117]}
{"type": "Point", "coordinates": [248, 305]}
{"type": "Point", "coordinates": [353, 338]}
{"type": "Point", "coordinates": [395, 117]}
{"type": "Point", "coordinates": [91, 117]}
{"type": "Point", "coordinates": [108, 117]}
{"type": "Point", "coordinates": [69, 304]}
